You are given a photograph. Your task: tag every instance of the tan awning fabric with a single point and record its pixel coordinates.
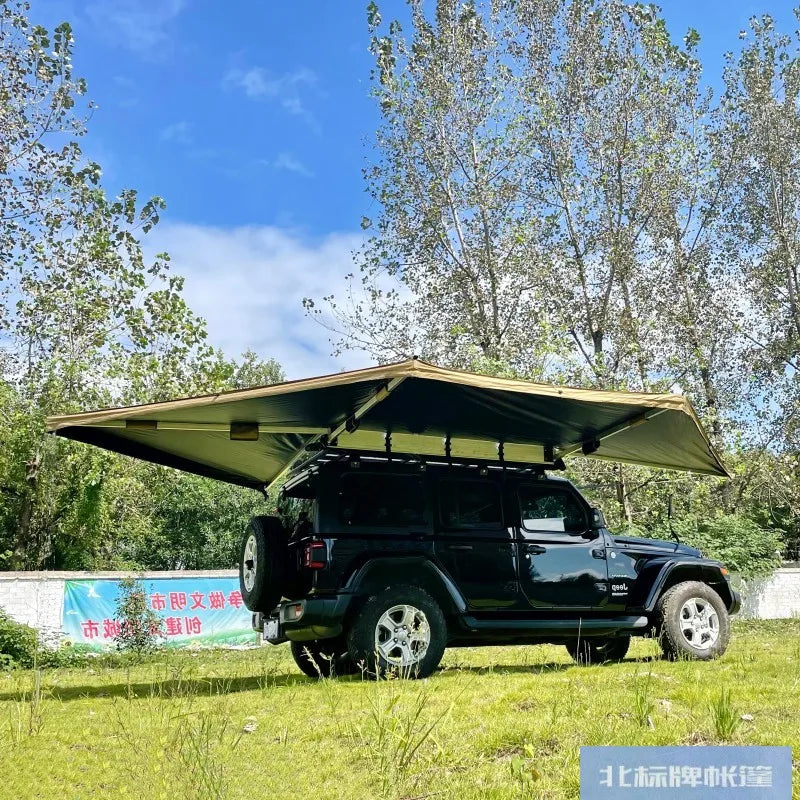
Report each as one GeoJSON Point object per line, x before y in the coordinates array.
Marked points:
{"type": "Point", "coordinates": [250, 436]}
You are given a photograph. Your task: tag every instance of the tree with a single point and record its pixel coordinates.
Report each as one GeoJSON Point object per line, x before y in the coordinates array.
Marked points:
{"type": "Point", "coordinates": [86, 321]}
{"type": "Point", "coordinates": [140, 628]}
{"type": "Point", "coordinates": [761, 108]}
{"type": "Point", "coordinates": [540, 166]}
{"type": "Point", "coordinates": [452, 270]}
{"type": "Point", "coordinates": [559, 198]}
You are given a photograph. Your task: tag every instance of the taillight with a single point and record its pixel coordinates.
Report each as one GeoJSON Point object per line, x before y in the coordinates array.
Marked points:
{"type": "Point", "coordinates": [315, 555]}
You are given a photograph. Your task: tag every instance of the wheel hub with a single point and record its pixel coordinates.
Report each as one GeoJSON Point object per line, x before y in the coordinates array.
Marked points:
{"type": "Point", "coordinates": [402, 635]}
{"type": "Point", "coordinates": [699, 623]}
{"type": "Point", "coordinates": [250, 563]}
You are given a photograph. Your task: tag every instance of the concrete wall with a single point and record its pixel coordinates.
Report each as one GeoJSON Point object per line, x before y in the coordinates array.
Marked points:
{"type": "Point", "coordinates": [37, 598]}
{"type": "Point", "coordinates": [36, 601]}
{"type": "Point", "coordinates": [776, 597]}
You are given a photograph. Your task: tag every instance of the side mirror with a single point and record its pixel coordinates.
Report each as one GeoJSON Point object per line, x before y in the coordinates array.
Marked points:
{"type": "Point", "coordinates": [598, 520]}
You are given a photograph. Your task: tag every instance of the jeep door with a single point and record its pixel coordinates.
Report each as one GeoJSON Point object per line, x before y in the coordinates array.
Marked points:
{"type": "Point", "coordinates": [474, 545]}
{"type": "Point", "coordinates": [562, 563]}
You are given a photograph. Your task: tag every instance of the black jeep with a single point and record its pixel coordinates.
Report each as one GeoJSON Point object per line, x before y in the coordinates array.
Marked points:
{"type": "Point", "coordinates": [393, 558]}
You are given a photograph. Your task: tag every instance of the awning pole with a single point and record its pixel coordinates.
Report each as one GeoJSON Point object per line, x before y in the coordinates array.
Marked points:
{"type": "Point", "coordinates": [350, 424]}
{"type": "Point", "coordinates": [613, 431]}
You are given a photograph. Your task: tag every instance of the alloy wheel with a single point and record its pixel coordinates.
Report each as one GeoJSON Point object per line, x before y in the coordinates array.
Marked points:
{"type": "Point", "coordinates": [402, 636]}
{"type": "Point", "coordinates": [250, 563]}
{"type": "Point", "coordinates": [699, 623]}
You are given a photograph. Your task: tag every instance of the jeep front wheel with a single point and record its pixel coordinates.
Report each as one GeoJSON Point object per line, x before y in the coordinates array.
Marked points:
{"type": "Point", "coordinates": [401, 629]}
{"type": "Point", "coordinates": [598, 651]}
{"type": "Point", "coordinates": [694, 622]}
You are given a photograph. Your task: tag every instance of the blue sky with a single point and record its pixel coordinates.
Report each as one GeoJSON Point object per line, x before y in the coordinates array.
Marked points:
{"type": "Point", "coordinates": [253, 121]}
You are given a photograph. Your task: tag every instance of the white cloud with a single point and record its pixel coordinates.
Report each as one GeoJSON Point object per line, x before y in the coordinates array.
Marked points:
{"type": "Point", "coordinates": [257, 82]}
{"type": "Point", "coordinates": [141, 25]}
{"type": "Point", "coordinates": [249, 283]}
{"type": "Point", "coordinates": [178, 132]}
{"type": "Point", "coordinates": [286, 161]}
{"type": "Point", "coordinates": [286, 89]}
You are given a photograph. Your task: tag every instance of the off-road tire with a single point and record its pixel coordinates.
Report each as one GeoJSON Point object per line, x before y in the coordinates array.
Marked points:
{"type": "Point", "coordinates": [674, 644]}
{"type": "Point", "coordinates": [361, 636]}
{"type": "Point", "coordinates": [598, 650]}
{"type": "Point", "coordinates": [265, 583]}
{"type": "Point", "coordinates": [323, 658]}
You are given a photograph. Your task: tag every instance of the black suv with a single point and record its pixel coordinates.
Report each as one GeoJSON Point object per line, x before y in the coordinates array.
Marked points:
{"type": "Point", "coordinates": [395, 559]}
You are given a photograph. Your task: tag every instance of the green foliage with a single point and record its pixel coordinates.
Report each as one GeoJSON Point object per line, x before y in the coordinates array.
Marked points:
{"type": "Point", "coordinates": [140, 629]}
{"type": "Point", "coordinates": [195, 523]}
{"type": "Point", "coordinates": [89, 322]}
{"type": "Point", "coordinates": [643, 704]}
{"type": "Point", "coordinates": [524, 772]}
{"type": "Point", "coordinates": [18, 643]}
{"type": "Point", "coordinates": [559, 199]}
{"type": "Point", "coordinates": [398, 729]}
{"type": "Point", "coordinates": [736, 541]}
{"type": "Point", "coordinates": [724, 715]}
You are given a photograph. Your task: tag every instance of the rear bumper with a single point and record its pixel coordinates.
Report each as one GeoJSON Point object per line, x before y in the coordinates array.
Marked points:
{"type": "Point", "coordinates": [312, 617]}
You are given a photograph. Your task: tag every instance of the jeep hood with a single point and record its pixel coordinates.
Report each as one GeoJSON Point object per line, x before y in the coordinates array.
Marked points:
{"type": "Point", "coordinates": [252, 436]}
{"type": "Point", "coordinates": [642, 544]}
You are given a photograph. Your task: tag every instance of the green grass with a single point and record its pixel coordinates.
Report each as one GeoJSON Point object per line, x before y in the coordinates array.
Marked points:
{"type": "Point", "coordinates": [494, 722]}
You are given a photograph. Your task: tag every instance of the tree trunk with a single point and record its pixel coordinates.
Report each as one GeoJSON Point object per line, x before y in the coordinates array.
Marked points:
{"type": "Point", "coordinates": [622, 496]}
{"type": "Point", "coordinates": [23, 548]}
{"type": "Point", "coordinates": [712, 403]}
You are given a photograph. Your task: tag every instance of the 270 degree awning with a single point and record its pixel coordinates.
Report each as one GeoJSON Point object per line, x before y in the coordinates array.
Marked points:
{"type": "Point", "coordinates": [250, 436]}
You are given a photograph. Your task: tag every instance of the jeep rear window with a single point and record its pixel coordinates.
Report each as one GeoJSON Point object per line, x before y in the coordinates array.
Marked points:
{"type": "Point", "coordinates": [546, 509]}
{"type": "Point", "coordinates": [470, 504]}
{"type": "Point", "coordinates": [388, 501]}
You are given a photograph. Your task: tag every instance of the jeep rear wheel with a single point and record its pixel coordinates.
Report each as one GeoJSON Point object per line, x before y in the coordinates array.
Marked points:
{"type": "Point", "coordinates": [322, 658]}
{"type": "Point", "coordinates": [264, 564]}
{"type": "Point", "coordinates": [694, 622]}
{"type": "Point", "coordinates": [598, 651]}
{"type": "Point", "coordinates": [401, 629]}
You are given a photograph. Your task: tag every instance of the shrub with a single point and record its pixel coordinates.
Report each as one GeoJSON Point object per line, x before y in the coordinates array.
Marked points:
{"type": "Point", "coordinates": [18, 643]}
{"type": "Point", "coordinates": [140, 628]}
{"type": "Point", "coordinates": [738, 542]}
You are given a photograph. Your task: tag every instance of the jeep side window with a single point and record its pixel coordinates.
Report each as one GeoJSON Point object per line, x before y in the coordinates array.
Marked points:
{"type": "Point", "coordinates": [389, 501]}
{"type": "Point", "coordinates": [550, 509]}
{"type": "Point", "coordinates": [470, 504]}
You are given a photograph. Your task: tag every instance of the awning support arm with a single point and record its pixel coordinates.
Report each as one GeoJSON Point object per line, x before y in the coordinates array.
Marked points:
{"type": "Point", "coordinates": [349, 424]}
{"type": "Point", "coordinates": [612, 431]}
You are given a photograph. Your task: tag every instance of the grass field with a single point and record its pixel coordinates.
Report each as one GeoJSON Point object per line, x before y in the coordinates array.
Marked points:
{"type": "Point", "coordinates": [493, 723]}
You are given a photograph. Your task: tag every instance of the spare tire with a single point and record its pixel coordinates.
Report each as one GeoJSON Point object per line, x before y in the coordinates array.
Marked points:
{"type": "Point", "coordinates": [264, 564]}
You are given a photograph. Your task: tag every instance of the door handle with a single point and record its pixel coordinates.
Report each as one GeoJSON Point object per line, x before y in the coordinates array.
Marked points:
{"type": "Point", "coordinates": [598, 552]}
{"type": "Point", "coordinates": [460, 547]}
{"type": "Point", "coordinates": [535, 548]}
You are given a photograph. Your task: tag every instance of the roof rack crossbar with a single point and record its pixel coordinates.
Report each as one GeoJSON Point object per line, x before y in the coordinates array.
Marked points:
{"type": "Point", "coordinates": [331, 456]}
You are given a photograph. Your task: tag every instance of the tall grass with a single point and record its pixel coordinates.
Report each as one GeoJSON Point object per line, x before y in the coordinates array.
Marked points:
{"type": "Point", "coordinates": [643, 703]}
{"type": "Point", "coordinates": [724, 715]}
{"type": "Point", "coordinates": [169, 743]}
{"type": "Point", "coordinates": [397, 729]}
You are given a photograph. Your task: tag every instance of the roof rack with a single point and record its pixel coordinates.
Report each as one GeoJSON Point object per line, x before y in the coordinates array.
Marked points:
{"type": "Point", "coordinates": [319, 460]}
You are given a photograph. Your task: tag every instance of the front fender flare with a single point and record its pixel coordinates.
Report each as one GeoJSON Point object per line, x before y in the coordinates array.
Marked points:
{"type": "Point", "coordinates": [704, 570]}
